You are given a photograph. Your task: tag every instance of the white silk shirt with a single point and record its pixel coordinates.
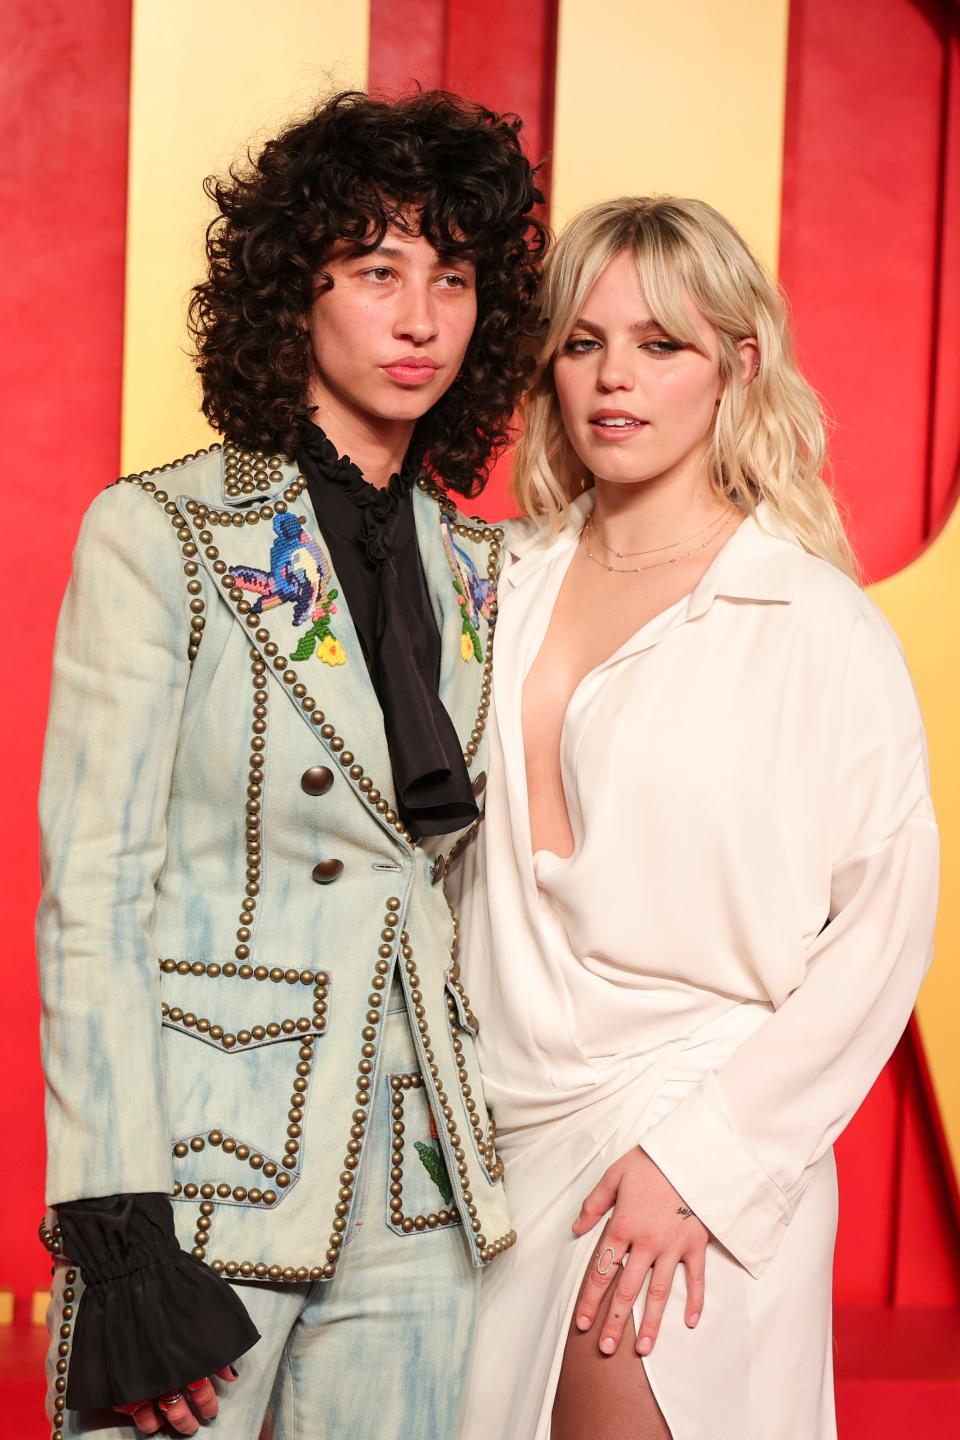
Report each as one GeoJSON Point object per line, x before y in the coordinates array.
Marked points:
{"type": "Point", "coordinates": [748, 908]}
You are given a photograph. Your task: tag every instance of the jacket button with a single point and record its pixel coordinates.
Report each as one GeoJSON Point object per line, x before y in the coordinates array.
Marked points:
{"type": "Point", "coordinates": [317, 780]}
{"type": "Point", "coordinates": [327, 871]}
{"type": "Point", "coordinates": [439, 869]}
{"type": "Point", "coordinates": [480, 784]}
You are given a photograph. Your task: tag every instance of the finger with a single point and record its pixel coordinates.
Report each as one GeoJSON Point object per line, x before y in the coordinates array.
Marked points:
{"type": "Point", "coordinates": [203, 1398]}
{"type": "Point", "coordinates": [179, 1415]}
{"type": "Point", "coordinates": [625, 1292]}
{"type": "Point", "coordinates": [693, 1266]}
{"type": "Point", "coordinates": [658, 1293]}
{"type": "Point", "coordinates": [601, 1199]}
{"type": "Point", "coordinates": [602, 1272]}
{"type": "Point", "coordinates": [228, 1373]}
{"type": "Point", "coordinates": [144, 1416]}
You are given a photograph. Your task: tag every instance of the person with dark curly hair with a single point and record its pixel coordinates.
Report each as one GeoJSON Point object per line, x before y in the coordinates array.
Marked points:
{"type": "Point", "coordinates": [266, 748]}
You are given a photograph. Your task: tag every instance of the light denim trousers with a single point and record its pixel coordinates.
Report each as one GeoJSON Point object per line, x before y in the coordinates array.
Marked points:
{"type": "Point", "coordinates": [382, 1351]}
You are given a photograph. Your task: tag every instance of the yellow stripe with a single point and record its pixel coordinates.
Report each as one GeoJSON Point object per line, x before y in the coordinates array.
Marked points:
{"type": "Point", "coordinates": [922, 603]}
{"type": "Point", "coordinates": [678, 99]}
{"type": "Point", "coordinates": [206, 79]}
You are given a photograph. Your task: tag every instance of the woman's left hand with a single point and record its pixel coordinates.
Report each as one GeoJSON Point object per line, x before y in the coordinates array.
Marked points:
{"type": "Point", "coordinates": [652, 1227]}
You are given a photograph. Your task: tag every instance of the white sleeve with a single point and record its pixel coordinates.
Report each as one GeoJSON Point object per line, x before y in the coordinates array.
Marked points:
{"type": "Point", "coordinates": [740, 1148]}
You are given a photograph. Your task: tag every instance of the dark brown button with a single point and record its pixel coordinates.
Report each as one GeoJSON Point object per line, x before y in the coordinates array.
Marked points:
{"type": "Point", "coordinates": [317, 780]}
{"type": "Point", "coordinates": [480, 784]}
{"type": "Point", "coordinates": [439, 869]}
{"type": "Point", "coordinates": [327, 871]}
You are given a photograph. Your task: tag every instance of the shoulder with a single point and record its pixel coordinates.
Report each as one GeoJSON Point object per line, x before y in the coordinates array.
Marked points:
{"type": "Point", "coordinates": [138, 515]}
{"type": "Point", "coordinates": [831, 603]}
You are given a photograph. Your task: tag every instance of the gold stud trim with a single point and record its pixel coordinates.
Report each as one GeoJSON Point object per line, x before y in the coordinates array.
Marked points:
{"type": "Point", "coordinates": [65, 1333]}
{"type": "Point", "coordinates": [50, 1239]}
{"type": "Point", "coordinates": [279, 1171]}
{"type": "Point", "coordinates": [312, 1025]}
{"type": "Point", "coordinates": [247, 919]}
{"type": "Point", "coordinates": [245, 472]}
{"type": "Point", "coordinates": [485, 1141]}
{"type": "Point", "coordinates": [491, 535]}
{"type": "Point", "coordinates": [488, 1249]}
{"type": "Point", "coordinates": [402, 1223]}
{"type": "Point", "coordinates": [188, 549]}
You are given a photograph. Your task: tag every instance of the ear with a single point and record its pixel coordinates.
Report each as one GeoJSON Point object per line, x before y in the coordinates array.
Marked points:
{"type": "Point", "coordinates": [748, 353]}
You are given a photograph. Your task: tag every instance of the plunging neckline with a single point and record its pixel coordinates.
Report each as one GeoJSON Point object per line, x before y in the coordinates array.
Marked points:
{"type": "Point", "coordinates": [665, 615]}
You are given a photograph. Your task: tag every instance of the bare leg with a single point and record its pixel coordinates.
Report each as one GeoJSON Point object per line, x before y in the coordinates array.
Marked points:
{"type": "Point", "coordinates": [605, 1395]}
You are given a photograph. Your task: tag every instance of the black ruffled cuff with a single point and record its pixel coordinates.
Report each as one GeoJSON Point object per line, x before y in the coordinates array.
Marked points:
{"type": "Point", "coordinates": [151, 1318]}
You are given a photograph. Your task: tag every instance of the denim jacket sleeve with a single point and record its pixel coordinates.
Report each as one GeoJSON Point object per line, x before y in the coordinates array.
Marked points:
{"type": "Point", "coordinates": [119, 679]}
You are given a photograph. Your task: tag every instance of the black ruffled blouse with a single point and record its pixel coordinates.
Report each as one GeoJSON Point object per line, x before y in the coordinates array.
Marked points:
{"type": "Point", "coordinates": [151, 1317]}
{"type": "Point", "coordinates": [372, 538]}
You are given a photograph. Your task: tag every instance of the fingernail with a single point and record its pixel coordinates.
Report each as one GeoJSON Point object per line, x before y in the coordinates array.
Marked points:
{"type": "Point", "coordinates": [234, 1371]}
{"type": "Point", "coordinates": [692, 1320]}
{"type": "Point", "coordinates": [583, 1322]}
{"type": "Point", "coordinates": [607, 1345]}
{"type": "Point", "coordinates": [645, 1346]}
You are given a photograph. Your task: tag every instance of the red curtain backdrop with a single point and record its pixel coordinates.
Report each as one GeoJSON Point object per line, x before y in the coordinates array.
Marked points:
{"type": "Point", "coordinates": [64, 98]}
{"type": "Point", "coordinates": [870, 257]}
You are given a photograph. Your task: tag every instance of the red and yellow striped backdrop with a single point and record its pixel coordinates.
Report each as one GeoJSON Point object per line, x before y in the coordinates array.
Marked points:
{"type": "Point", "coordinates": [829, 133]}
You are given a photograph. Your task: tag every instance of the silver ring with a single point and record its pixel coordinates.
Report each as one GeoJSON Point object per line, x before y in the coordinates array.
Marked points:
{"type": "Point", "coordinates": [167, 1402]}
{"type": "Point", "coordinates": [605, 1269]}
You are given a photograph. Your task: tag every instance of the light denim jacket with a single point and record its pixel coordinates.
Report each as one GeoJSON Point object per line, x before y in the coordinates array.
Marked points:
{"type": "Point", "coordinates": [227, 888]}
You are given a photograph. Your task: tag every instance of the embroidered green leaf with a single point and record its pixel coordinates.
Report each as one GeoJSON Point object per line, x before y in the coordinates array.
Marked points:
{"type": "Point", "coordinates": [434, 1165]}
{"type": "Point", "coordinates": [306, 647]}
{"type": "Point", "coordinates": [318, 631]}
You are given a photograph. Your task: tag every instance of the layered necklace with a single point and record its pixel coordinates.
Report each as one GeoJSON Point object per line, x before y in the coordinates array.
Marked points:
{"type": "Point", "coordinates": [704, 537]}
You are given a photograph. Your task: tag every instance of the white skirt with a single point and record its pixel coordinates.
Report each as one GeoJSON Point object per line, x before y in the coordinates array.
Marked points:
{"type": "Point", "coordinates": [758, 1366]}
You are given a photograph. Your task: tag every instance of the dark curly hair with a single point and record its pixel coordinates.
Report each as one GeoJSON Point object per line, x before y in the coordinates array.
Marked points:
{"type": "Point", "coordinates": [348, 171]}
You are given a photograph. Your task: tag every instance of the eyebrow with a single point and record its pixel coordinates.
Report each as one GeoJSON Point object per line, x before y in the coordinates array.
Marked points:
{"type": "Point", "coordinates": [395, 252]}
{"type": "Point", "coordinates": [639, 327]}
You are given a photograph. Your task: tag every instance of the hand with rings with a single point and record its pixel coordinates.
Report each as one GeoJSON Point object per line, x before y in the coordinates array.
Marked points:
{"type": "Point", "coordinates": [175, 1409]}
{"type": "Point", "coordinates": [650, 1228]}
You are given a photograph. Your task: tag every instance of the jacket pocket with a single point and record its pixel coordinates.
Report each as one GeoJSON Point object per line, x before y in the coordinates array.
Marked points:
{"type": "Point", "coordinates": [237, 1100]}
{"type": "Point", "coordinates": [238, 1007]}
{"type": "Point", "coordinates": [464, 1028]}
{"type": "Point", "coordinates": [420, 1196]}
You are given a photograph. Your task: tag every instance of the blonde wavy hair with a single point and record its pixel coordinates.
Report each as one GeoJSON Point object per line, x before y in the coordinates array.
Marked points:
{"type": "Point", "coordinates": [769, 440]}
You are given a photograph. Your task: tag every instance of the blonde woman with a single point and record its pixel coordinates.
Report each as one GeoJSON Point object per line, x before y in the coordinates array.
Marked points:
{"type": "Point", "coordinates": [701, 905]}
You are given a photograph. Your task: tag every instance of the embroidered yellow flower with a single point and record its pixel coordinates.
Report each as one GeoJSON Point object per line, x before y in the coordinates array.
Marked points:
{"type": "Point", "coordinates": [331, 652]}
{"type": "Point", "coordinates": [466, 647]}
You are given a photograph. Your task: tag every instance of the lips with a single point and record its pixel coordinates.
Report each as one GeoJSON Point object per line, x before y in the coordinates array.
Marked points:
{"type": "Point", "coordinates": [616, 424]}
{"type": "Point", "coordinates": [412, 369]}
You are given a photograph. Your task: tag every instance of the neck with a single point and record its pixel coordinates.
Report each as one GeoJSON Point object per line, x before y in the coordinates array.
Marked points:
{"type": "Point", "coordinates": [652, 513]}
{"type": "Point", "coordinates": [376, 446]}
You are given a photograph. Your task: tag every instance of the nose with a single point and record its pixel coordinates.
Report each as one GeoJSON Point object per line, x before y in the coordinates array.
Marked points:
{"type": "Point", "coordinates": [416, 318]}
{"type": "Point", "coordinates": [615, 371]}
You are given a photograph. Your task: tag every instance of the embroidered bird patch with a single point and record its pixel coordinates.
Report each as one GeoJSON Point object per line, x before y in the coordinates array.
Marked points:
{"type": "Point", "coordinates": [299, 575]}
{"type": "Point", "coordinates": [475, 594]}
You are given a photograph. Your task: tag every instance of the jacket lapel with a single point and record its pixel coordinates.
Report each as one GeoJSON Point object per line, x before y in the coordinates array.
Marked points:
{"type": "Point", "coordinates": [274, 572]}
{"type": "Point", "coordinates": [460, 561]}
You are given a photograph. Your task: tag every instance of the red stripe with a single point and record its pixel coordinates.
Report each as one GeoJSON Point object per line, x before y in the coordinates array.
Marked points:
{"type": "Point", "coordinates": [65, 76]}
{"type": "Point", "coordinates": [496, 52]}
{"type": "Point", "coordinates": [870, 257]}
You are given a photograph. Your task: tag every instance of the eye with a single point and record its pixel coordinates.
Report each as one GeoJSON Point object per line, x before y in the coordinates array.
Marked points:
{"type": "Point", "coordinates": [663, 347]}
{"type": "Point", "coordinates": [379, 275]}
{"type": "Point", "coordinates": [580, 345]}
{"type": "Point", "coordinates": [455, 281]}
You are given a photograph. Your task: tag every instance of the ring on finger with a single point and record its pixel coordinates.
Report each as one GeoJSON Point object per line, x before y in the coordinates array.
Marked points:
{"type": "Point", "coordinates": [167, 1402]}
{"type": "Point", "coordinates": [603, 1265]}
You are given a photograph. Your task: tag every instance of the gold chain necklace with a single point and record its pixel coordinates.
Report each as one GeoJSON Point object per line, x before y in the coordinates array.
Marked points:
{"type": "Point", "coordinates": [656, 549]}
{"type": "Point", "coordinates": [654, 564]}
